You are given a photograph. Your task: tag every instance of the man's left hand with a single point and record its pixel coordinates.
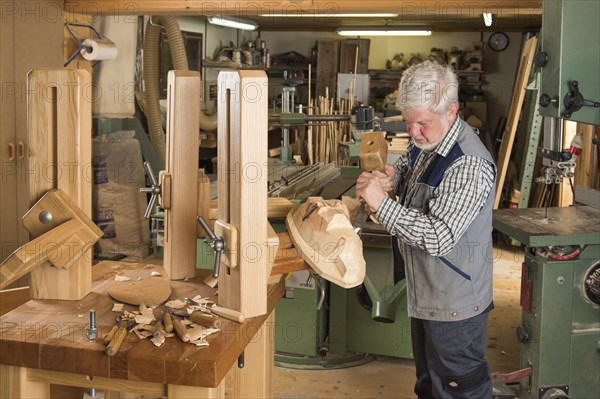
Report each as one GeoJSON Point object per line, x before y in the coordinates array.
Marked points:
{"type": "Point", "coordinates": [369, 187]}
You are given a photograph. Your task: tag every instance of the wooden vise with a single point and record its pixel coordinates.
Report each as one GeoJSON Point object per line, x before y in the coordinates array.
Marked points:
{"type": "Point", "coordinates": [64, 233]}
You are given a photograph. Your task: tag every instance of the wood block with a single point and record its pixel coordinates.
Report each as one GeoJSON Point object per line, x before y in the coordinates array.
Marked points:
{"type": "Point", "coordinates": [230, 236]}
{"type": "Point", "coordinates": [10, 299]}
{"type": "Point", "coordinates": [61, 208]}
{"type": "Point", "coordinates": [242, 190]}
{"type": "Point", "coordinates": [59, 113]}
{"type": "Point", "coordinates": [278, 207]}
{"type": "Point", "coordinates": [373, 152]}
{"type": "Point", "coordinates": [183, 124]}
{"type": "Point", "coordinates": [57, 246]}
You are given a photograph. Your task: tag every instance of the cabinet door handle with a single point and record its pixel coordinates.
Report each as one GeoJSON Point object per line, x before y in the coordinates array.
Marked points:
{"type": "Point", "coordinates": [21, 149]}
{"type": "Point", "coordinates": [11, 151]}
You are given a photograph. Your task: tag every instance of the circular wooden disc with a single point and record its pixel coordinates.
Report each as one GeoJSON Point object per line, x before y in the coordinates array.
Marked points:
{"type": "Point", "coordinates": [150, 291]}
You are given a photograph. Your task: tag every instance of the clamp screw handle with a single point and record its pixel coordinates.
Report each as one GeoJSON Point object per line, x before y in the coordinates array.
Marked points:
{"type": "Point", "coordinates": [216, 243]}
{"type": "Point", "coordinates": [154, 189]}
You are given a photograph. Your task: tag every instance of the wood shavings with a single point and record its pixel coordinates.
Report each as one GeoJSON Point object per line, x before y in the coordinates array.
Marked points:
{"type": "Point", "coordinates": [186, 322]}
{"type": "Point", "coordinates": [80, 315]}
{"type": "Point", "coordinates": [141, 319]}
{"type": "Point", "coordinates": [158, 341]}
{"type": "Point", "coordinates": [142, 334]}
{"type": "Point", "coordinates": [127, 315]}
{"type": "Point", "coordinates": [175, 304]}
{"type": "Point", "coordinates": [145, 311]}
{"type": "Point", "coordinates": [146, 327]}
{"type": "Point", "coordinates": [156, 274]}
{"type": "Point", "coordinates": [140, 278]}
{"type": "Point", "coordinates": [117, 307]}
{"type": "Point", "coordinates": [199, 342]}
{"type": "Point", "coordinates": [121, 278]}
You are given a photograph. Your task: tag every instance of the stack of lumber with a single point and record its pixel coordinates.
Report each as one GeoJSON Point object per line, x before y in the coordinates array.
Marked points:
{"type": "Point", "coordinates": [324, 137]}
{"type": "Point", "coordinates": [399, 143]}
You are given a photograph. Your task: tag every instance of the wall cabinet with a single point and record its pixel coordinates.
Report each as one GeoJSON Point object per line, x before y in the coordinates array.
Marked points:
{"type": "Point", "coordinates": [31, 36]}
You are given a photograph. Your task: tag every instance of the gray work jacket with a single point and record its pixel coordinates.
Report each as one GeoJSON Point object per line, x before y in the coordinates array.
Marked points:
{"type": "Point", "coordinates": [458, 285]}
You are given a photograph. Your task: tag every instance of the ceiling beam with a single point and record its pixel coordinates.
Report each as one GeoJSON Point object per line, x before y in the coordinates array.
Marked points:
{"type": "Point", "coordinates": [408, 9]}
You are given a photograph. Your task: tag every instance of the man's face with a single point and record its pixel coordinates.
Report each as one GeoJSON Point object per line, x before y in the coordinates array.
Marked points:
{"type": "Point", "coordinates": [427, 128]}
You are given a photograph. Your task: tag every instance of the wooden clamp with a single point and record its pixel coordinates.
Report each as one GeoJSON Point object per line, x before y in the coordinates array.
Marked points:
{"type": "Point", "coordinates": [242, 188]}
{"type": "Point", "coordinates": [178, 180]}
{"type": "Point", "coordinates": [59, 126]}
{"type": "Point", "coordinates": [63, 234]}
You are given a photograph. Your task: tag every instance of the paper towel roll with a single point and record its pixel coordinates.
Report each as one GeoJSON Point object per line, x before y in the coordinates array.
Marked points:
{"type": "Point", "coordinates": [99, 49]}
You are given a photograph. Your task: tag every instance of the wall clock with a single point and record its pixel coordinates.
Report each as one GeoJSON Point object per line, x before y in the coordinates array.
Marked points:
{"type": "Point", "coordinates": [498, 41]}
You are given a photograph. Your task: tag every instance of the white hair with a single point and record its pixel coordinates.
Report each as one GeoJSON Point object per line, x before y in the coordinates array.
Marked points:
{"type": "Point", "coordinates": [428, 84]}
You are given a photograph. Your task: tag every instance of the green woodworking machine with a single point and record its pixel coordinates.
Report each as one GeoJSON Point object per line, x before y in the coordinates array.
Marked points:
{"type": "Point", "coordinates": [560, 297]}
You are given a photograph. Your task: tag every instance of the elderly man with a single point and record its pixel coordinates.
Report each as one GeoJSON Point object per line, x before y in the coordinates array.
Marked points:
{"type": "Point", "coordinates": [441, 226]}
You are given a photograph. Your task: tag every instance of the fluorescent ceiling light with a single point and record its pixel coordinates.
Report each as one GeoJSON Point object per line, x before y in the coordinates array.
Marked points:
{"type": "Point", "coordinates": [487, 18]}
{"type": "Point", "coordinates": [330, 15]}
{"type": "Point", "coordinates": [383, 31]}
{"type": "Point", "coordinates": [233, 23]}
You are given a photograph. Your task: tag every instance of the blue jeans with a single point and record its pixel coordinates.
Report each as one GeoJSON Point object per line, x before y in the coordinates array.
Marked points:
{"type": "Point", "coordinates": [450, 358]}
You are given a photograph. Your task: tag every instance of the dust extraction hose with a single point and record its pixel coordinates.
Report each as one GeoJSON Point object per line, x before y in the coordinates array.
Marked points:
{"type": "Point", "coordinates": [151, 78]}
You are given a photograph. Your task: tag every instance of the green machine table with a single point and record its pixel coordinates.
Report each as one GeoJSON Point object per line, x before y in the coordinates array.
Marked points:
{"type": "Point", "coordinates": [560, 297]}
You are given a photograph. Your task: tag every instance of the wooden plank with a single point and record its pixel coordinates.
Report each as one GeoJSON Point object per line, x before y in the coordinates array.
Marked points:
{"type": "Point", "coordinates": [60, 151]}
{"type": "Point", "coordinates": [277, 207]}
{"type": "Point", "coordinates": [183, 124]}
{"type": "Point", "coordinates": [242, 189]}
{"type": "Point", "coordinates": [348, 60]}
{"type": "Point", "coordinates": [15, 384]}
{"type": "Point", "coordinates": [186, 392]}
{"type": "Point", "coordinates": [10, 299]}
{"type": "Point", "coordinates": [195, 7]}
{"type": "Point", "coordinates": [584, 163]}
{"type": "Point", "coordinates": [327, 67]}
{"type": "Point", "coordinates": [100, 383]}
{"type": "Point", "coordinates": [514, 113]}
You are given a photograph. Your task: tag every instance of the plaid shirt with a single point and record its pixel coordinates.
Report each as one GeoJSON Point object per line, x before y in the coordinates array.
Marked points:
{"type": "Point", "coordinates": [466, 185]}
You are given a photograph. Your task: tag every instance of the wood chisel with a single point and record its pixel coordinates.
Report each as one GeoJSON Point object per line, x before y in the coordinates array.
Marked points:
{"type": "Point", "coordinates": [228, 314]}
{"type": "Point", "coordinates": [205, 320]}
{"type": "Point", "coordinates": [181, 330]}
{"type": "Point", "coordinates": [115, 343]}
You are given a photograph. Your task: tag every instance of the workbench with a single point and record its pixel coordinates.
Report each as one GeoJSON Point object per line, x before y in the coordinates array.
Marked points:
{"type": "Point", "coordinates": [44, 342]}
